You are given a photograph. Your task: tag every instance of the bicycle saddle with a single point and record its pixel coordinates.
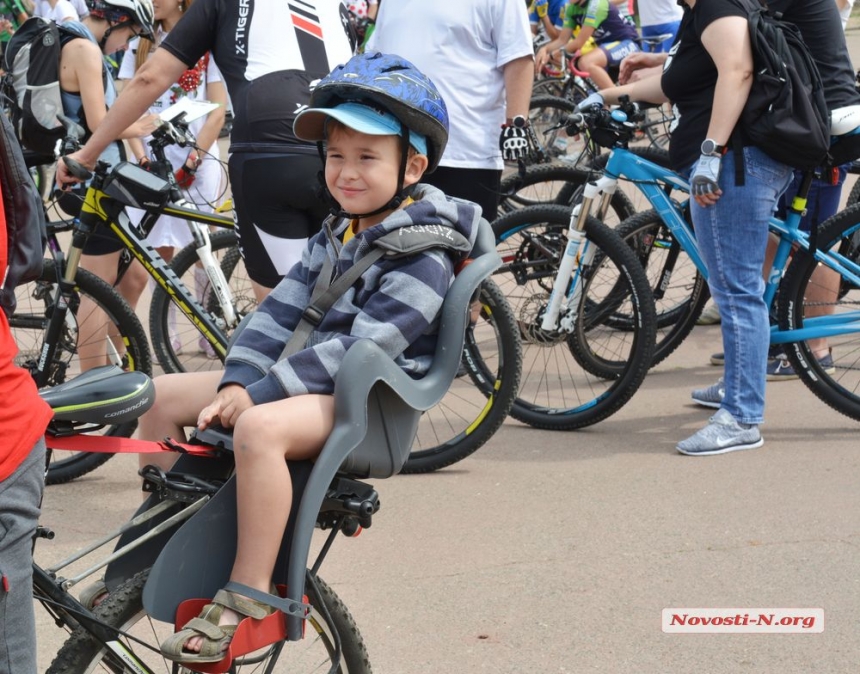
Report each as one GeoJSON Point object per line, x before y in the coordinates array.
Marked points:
{"type": "Point", "coordinates": [844, 120]}
{"type": "Point", "coordinates": [103, 395]}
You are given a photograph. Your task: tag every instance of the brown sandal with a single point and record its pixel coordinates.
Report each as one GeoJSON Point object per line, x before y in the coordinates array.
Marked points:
{"type": "Point", "coordinates": [216, 638]}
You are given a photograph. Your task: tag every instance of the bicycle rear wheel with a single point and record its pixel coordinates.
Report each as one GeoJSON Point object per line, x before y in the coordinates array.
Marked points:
{"type": "Point", "coordinates": [123, 609]}
{"type": "Point", "coordinates": [680, 291]}
{"type": "Point", "coordinates": [481, 397]}
{"type": "Point", "coordinates": [127, 347]}
{"type": "Point", "coordinates": [809, 295]}
{"type": "Point", "coordinates": [178, 345]}
{"type": "Point", "coordinates": [577, 379]}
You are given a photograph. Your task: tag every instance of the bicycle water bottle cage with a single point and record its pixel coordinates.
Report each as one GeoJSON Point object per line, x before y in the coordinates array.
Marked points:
{"type": "Point", "coordinates": [133, 186]}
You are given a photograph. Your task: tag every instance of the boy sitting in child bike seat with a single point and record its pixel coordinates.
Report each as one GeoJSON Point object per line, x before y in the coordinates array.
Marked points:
{"type": "Point", "coordinates": [383, 124]}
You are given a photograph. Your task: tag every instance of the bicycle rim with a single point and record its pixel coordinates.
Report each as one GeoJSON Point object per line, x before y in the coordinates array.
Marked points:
{"type": "Point", "coordinates": [809, 294]}
{"type": "Point", "coordinates": [124, 609]}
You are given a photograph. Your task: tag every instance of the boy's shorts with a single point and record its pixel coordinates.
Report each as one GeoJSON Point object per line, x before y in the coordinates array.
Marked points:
{"type": "Point", "coordinates": [616, 51]}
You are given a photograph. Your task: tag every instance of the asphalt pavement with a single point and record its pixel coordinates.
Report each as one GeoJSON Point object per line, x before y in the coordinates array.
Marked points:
{"type": "Point", "coordinates": [557, 552]}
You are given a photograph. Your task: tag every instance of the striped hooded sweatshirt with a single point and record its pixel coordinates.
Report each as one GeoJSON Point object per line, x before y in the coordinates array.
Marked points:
{"type": "Point", "coordinates": [395, 302]}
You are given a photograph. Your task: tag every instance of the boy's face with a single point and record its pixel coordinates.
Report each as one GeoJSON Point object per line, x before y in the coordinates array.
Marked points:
{"type": "Point", "coordinates": [361, 170]}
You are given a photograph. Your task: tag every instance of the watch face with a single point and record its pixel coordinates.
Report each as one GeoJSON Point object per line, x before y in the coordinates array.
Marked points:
{"type": "Point", "coordinates": [708, 147]}
{"type": "Point", "coordinates": [519, 121]}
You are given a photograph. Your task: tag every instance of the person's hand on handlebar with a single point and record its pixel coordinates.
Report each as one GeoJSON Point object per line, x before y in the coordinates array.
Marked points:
{"type": "Point", "coordinates": [639, 61]}
{"type": "Point", "coordinates": [64, 178]}
{"type": "Point", "coordinates": [590, 101]}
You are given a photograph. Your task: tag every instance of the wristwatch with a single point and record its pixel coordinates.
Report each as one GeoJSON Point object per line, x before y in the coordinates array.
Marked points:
{"type": "Point", "coordinates": [711, 149]}
{"type": "Point", "coordinates": [518, 122]}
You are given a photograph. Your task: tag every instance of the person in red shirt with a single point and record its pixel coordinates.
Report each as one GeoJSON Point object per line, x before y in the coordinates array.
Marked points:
{"type": "Point", "coordinates": [23, 418]}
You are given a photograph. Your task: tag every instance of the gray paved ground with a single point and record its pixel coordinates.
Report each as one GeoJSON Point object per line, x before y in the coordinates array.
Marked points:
{"type": "Point", "coordinates": [556, 552]}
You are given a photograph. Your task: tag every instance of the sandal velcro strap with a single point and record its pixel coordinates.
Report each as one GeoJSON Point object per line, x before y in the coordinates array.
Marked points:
{"type": "Point", "coordinates": [288, 606]}
{"type": "Point", "coordinates": [242, 605]}
{"type": "Point", "coordinates": [208, 629]}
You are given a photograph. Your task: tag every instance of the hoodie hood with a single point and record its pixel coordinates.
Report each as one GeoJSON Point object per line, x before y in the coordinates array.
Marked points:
{"type": "Point", "coordinates": [432, 220]}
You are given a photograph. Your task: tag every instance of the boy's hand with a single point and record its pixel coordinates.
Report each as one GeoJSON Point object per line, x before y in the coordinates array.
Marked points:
{"type": "Point", "coordinates": [229, 403]}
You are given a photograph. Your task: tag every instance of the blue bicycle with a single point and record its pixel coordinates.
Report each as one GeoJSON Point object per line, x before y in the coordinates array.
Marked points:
{"type": "Point", "coordinates": [813, 286]}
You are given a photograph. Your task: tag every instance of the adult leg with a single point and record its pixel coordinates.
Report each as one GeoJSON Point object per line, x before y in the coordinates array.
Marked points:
{"type": "Point", "coordinates": [595, 63]}
{"type": "Point", "coordinates": [276, 206]}
{"type": "Point", "coordinates": [732, 237]}
{"type": "Point", "coordinates": [20, 498]}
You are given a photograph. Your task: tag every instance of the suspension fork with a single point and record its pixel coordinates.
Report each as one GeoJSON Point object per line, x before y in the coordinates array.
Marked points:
{"type": "Point", "coordinates": [217, 280]}
{"type": "Point", "coordinates": [578, 253]}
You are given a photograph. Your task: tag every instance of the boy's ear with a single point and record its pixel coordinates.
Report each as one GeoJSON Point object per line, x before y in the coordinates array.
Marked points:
{"type": "Point", "coordinates": [416, 164]}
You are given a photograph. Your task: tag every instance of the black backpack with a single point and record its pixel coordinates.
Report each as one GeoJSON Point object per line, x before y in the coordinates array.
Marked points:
{"type": "Point", "coordinates": [25, 219]}
{"type": "Point", "coordinates": [785, 115]}
{"type": "Point", "coordinates": [32, 83]}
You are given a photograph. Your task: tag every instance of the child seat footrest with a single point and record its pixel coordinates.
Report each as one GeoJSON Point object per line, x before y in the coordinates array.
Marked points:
{"type": "Point", "coordinates": [251, 635]}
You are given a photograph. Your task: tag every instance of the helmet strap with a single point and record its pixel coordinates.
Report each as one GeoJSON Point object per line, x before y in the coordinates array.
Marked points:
{"type": "Point", "coordinates": [112, 28]}
{"type": "Point", "coordinates": [395, 201]}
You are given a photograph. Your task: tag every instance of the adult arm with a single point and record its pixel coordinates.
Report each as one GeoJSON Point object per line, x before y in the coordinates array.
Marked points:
{"type": "Point", "coordinates": [216, 93]}
{"type": "Point", "coordinates": [637, 61]}
{"type": "Point", "coordinates": [519, 76]}
{"type": "Point", "coordinates": [728, 43]}
{"type": "Point", "coordinates": [151, 80]}
{"type": "Point", "coordinates": [646, 90]}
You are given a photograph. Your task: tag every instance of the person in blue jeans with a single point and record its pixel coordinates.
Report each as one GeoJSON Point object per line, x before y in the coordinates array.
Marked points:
{"type": "Point", "coordinates": [708, 75]}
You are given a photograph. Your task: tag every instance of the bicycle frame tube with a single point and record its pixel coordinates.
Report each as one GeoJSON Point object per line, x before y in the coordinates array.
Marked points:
{"type": "Point", "coordinates": [103, 210]}
{"type": "Point", "coordinates": [646, 174]}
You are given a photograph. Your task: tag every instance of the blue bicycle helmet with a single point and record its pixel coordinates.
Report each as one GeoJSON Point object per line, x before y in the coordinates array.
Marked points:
{"type": "Point", "coordinates": [390, 82]}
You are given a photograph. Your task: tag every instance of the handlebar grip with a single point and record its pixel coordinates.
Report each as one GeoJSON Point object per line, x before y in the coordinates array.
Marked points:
{"type": "Point", "coordinates": [77, 169]}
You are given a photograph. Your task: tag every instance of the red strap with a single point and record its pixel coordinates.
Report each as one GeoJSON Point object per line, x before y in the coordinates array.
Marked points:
{"type": "Point", "coordinates": [113, 445]}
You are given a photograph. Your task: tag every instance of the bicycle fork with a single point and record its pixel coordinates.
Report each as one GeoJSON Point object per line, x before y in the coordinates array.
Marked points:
{"type": "Point", "coordinates": [217, 280]}
{"type": "Point", "coordinates": [561, 310]}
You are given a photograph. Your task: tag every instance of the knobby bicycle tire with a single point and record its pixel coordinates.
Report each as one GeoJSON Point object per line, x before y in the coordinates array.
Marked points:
{"type": "Point", "coordinates": [806, 294]}
{"type": "Point", "coordinates": [574, 380]}
{"type": "Point", "coordinates": [123, 609]}
{"type": "Point", "coordinates": [170, 329]}
{"type": "Point", "coordinates": [680, 291]}
{"type": "Point", "coordinates": [29, 325]}
{"type": "Point", "coordinates": [556, 184]}
{"type": "Point", "coordinates": [480, 399]}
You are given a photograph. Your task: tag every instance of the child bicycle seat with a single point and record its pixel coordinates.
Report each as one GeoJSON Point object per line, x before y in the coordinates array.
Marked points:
{"type": "Point", "coordinates": [377, 410]}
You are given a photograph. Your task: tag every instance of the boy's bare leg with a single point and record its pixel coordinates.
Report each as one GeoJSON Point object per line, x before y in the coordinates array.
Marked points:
{"type": "Point", "coordinates": [178, 401]}
{"type": "Point", "coordinates": [265, 435]}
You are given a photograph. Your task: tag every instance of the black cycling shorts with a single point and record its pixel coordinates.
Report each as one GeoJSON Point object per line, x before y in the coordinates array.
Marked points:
{"type": "Point", "coordinates": [483, 186]}
{"type": "Point", "coordinates": [277, 206]}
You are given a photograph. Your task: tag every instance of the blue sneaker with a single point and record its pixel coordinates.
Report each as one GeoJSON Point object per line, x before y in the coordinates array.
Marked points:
{"type": "Point", "coordinates": [779, 369]}
{"type": "Point", "coordinates": [722, 435]}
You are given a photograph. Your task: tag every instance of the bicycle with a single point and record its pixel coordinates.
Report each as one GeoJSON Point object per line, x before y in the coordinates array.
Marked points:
{"type": "Point", "coordinates": [378, 408]}
{"type": "Point", "coordinates": [118, 635]}
{"type": "Point", "coordinates": [791, 287]}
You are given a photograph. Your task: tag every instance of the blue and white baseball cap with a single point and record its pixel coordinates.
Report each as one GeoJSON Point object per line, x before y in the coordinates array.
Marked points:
{"type": "Point", "coordinates": [310, 124]}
